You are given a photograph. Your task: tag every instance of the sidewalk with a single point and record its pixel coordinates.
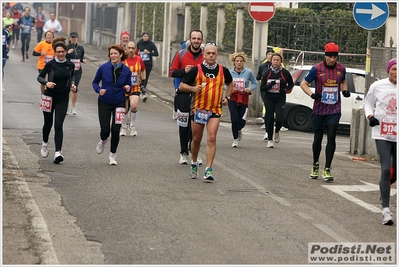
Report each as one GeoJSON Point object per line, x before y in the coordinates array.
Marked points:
{"type": "Point", "coordinates": [158, 86]}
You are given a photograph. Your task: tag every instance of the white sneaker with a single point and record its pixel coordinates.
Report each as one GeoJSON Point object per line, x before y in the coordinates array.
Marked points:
{"type": "Point", "coordinates": [263, 126]}
{"type": "Point", "coordinates": [112, 160]}
{"type": "Point", "coordinates": [143, 97]}
{"type": "Point", "coordinates": [123, 131]}
{"type": "Point", "coordinates": [68, 111]}
{"type": "Point", "coordinates": [199, 160]}
{"type": "Point", "coordinates": [270, 144]}
{"type": "Point", "coordinates": [133, 131]}
{"type": "Point", "coordinates": [100, 146]}
{"type": "Point", "coordinates": [58, 157]}
{"type": "Point", "coordinates": [387, 217]}
{"type": "Point", "coordinates": [183, 158]}
{"type": "Point", "coordinates": [73, 111]}
{"type": "Point", "coordinates": [13, 47]}
{"type": "Point", "coordinates": [276, 137]}
{"type": "Point", "coordinates": [283, 129]}
{"type": "Point", "coordinates": [44, 150]}
{"type": "Point", "coordinates": [174, 115]}
{"type": "Point", "coordinates": [265, 136]}
{"type": "Point", "coordinates": [235, 143]}
{"type": "Point", "coordinates": [239, 135]}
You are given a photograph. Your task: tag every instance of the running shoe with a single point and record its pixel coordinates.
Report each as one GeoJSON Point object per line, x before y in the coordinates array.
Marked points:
{"type": "Point", "coordinates": [44, 150]}
{"type": "Point", "coordinates": [58, 157]}
{"type": "Point", "coordinates": [239, 135]}
{"type": "Point", "coordinates": [265, 136]}
{"type": "Point", "coordinates": [387, 217]}
{"type": "Point", "coordinates": [263, 126]}
{"type": "Point", "coordinates": [174, 115]}
{"type": "Point", "coordinates": [283, 129]}
{"type": "Point", "coordinates": [183, 158]}
{"type": "Point", "coordinates": [112, 160]}
{"type": "Point", "coordinates": [123, 131]}
{"type": "Point", "coordinates": [194, 171]}
{"type": "Point", "coordinates": [199, 160]}
{"type": "Point", "coordinates": [235, 143]}
{"type": "Point", "coordinates": [208, 177]}
{"type": "Point", "coordinates": [100, 146]}
{"type": "Point", "coordinates": [276, 137]}
{"type": "Point", "coordinates": [143, 97]}
{"type": "Point", "coordinates": [73, 111]}
{"type": "Point", "coordinates": [27, 55]}
{"type": "Point", "coordinates": [327, 175]}
{"type": "Point", "coordinates": [314, 173]}
{"type": "Point", "coordinates": [270, 144]}
{"type": "Point", "coordinates": [132, 131]}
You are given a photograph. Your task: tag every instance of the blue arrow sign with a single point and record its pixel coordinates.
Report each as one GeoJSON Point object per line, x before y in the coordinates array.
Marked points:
{"type": "Point", "coordinates": [370, 16]}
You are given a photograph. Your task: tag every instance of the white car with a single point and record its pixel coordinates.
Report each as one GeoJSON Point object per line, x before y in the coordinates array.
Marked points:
{"type": "Point", "coordinates": [298, 107]}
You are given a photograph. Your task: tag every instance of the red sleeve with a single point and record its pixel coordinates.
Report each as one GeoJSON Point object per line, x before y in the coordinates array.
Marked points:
{"type": "Point", "coordinates": [176, 64]}
{"type": "Point", "coordinates": [142, 64]}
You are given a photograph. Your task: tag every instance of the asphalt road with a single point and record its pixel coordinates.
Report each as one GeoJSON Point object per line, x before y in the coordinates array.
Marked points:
{"type": "Point", "coordinates": [262, 208]}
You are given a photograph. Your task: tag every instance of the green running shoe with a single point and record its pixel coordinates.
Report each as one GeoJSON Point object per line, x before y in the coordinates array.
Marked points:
{"type": "Point", "coordinates": [314, 173]}
{"type": "Point", "coordinates": [194, 171]}
{"type": "Point", "coordinates": [208, 177]}
{"type": "Point", "coordinates": [327, 175]}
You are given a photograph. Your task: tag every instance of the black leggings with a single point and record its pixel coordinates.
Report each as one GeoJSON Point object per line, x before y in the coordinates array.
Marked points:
{"type": "Point", "coordinates": [39, 34]}
{"type": "Point", "coordinates": [15, 34]}
{"type": "Point", "coordinates": [148, 68]}
{"type": "Point", "coordinates": [330, 147]}
{"type": "Point", "coordinates": [105, 113]}
{"type": "Point", "coordinates": [183, 103]}
{"type": "Point", "coordinates": [236, 114]}
{"type": "Point", "coordinates": [25, 40]}
{"type": "Point", "coordinates": [59, 107]}
{"type": "Point", "coordinates": [387, 152]}
{"type": "Point", "coordinates": [273, 108]}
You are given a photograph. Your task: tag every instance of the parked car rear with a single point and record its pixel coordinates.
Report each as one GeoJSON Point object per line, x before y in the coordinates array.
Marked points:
{"type": "Point", "coordinates": [298, 108]}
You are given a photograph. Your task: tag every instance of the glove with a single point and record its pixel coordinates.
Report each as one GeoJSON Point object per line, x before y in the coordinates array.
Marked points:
{"type": "Point", "coordinates": [346, 93]}
{"type": "Point", "coordinates": [271, 84]}
{"type": "Point", "coordinates": [373, 121]}
{"type": "Point", "coordinates": [315, 96]}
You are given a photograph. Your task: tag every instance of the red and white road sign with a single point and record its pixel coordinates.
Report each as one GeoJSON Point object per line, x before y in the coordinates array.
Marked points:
{"type": "Point", "coordinates": [261, 12]}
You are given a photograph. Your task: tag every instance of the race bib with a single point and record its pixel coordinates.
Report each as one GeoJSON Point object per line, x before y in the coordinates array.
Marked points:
{"type": "Point", "coordinates": [135, 78]}
{"type": "Point", "coordinates": [119, 115]}
{"type": "Point", "coordinates": [329, 95]}
{"type": "Point", "coordinates": [77, 63]}
{"type": "Point", "coordinates": [202, 116]}
{"type": "Point", "coordinates": [182, 118]}
{"type": "Point", "coordinates": [46, 103]}
{"type": "Point", "coordinates": [388, 128]}
{"type": "Point", "coordinates": [239, 84]}
{"type": "Point", "coordinates": [144, 56]}
{"type": "Point", "coordinates": [47, 59]}
{"type": "Point", "coordinates": [276, 88]}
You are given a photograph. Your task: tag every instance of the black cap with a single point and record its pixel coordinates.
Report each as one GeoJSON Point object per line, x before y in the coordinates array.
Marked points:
{"type": "Point", "coordinates": [73, 34]}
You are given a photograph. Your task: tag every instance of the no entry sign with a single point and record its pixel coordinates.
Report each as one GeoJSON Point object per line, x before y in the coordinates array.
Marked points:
{"type": "Point", "coordinates": [261, 12]}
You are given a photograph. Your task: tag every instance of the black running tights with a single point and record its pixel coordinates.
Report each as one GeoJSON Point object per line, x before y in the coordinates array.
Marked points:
{"type": "Point", "coordinates": [387, 152]}
{"type": "Point", "coordinates": [58, 110]}
{"type": "Point", "coordinates": [330, 147]}
{"type": "Point", "coordinates": [106, 115]}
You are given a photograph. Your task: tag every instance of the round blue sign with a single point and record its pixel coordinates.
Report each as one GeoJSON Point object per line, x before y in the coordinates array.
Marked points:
{"type": "Point", "coordinates": [370, 16]}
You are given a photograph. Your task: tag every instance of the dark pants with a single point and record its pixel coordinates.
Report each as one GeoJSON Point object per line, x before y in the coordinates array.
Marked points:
{"type": "Point", "coordinates": [25, 40]}
{"type": "Point", "coordinates": [273, 108]}
{"type": "Point", "coordinates": [183, 103]}
{"type": "Point", "coordinates": [148, 68]}
{"type": "Point", "coordinates": [58, 110]}
{"type": "Point", "coordinates": [236, 114]}
{"type": "Point", "coordinates": [387, 152]}
{"type": "Point", "coordinates": [39, 34]}
{"type": "Point", "coordinates": [106, 113]}
{"type": "Point", "coordinates": [15, 34]}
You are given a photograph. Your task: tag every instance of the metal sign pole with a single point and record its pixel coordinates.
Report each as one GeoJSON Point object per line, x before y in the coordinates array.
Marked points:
{"type": "Point", "coordinates": [259, 62]}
